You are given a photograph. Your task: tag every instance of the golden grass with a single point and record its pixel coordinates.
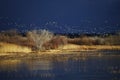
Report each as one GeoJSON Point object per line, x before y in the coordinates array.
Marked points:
{"type": "Point", "coordinates": [7, 47]}
{"type": "Point", "coordinates": [91, 47]}
{"type": "Point", "coordinates": [67, 49]}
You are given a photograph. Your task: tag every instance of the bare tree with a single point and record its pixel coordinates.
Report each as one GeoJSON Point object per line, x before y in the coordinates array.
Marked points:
{"type": "Point", "coordinates": [40, 37]}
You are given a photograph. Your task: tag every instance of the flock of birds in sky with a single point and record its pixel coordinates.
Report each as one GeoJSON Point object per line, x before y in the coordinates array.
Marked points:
{"type": "Point", "coordinates": [9, 23]}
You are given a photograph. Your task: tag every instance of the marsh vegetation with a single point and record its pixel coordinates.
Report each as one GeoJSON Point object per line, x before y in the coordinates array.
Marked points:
{"type": "Point", "coordinates": [44, 40]}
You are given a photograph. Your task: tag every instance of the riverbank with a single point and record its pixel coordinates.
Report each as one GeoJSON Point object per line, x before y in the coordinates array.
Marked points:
{"type": "Point", "coordinates": [12, 49]}
{"type": "Point", "coordinates": [90, 47]}
{"type": "Point", "coordinates": [9, 48]}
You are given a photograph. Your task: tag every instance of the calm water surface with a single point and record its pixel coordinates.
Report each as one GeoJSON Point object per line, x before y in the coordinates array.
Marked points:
{"type": "Point", "coordinates": [105, 66]}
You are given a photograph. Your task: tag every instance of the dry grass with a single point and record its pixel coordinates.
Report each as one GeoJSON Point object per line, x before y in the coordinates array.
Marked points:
{"type": "Point", "coordinates": [7, 47]}
{"type": "Point", "coordinates": [12, 41]}
{"type": "Point", "coordinates": [90, 47]}
{"type": "Point", "coordinates": [96, 40]}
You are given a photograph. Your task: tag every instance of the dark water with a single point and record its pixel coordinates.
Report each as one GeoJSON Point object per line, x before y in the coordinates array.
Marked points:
{"type": "Point", "coordinates": [98, 67]}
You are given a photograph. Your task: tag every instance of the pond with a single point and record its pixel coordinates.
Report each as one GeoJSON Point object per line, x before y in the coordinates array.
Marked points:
{"type": "Point", "coordinates": [104, 66]}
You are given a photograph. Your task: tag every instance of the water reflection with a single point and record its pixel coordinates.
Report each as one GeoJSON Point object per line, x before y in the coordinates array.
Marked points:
{"type": "Point", "coordinates": [35, 65]}
{"type": "Point", "coordinates": [9, 65]}
{"type": "Point", "coordinates": [62, 67]}
{"type": "Point", "coordinates": [41, 68]}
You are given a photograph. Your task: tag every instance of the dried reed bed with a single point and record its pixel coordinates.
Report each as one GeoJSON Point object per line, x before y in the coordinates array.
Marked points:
{"type": "Point", "coordinates": [7, 47]}
{"type": "Point", "coordinates": [73, 47]}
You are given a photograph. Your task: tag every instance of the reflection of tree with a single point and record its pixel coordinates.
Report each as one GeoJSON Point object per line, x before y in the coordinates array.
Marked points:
{"type": "Point", "coordinates": [40, 68]}
{"type": "Point", "coordinates": [35, 65]}
{"type": "Point", "coordinates": [65, 65]}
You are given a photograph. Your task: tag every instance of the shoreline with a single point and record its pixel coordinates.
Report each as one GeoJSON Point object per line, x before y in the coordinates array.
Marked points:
{"type": "Point", "coordinates": [66, 49]}
{"type": "Point", "coordinates": [61, 56]}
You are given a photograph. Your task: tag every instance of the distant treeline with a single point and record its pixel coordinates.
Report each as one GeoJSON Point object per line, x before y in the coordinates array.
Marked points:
{"type": "Point", "coordinates": [93, 38]}
{"type": "Point", "coordinates": [77, 35]}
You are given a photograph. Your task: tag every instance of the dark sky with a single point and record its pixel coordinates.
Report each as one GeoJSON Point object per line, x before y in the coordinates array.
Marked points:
{"type": "Point", "coordinates": [61, 15]}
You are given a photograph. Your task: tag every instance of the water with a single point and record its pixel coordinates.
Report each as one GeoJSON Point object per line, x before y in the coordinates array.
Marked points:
{"type": "Point", "coordinates": [104, 66]}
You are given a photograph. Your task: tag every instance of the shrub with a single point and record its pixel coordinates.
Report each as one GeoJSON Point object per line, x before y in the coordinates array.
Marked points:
{"type": "Point", "coordinates": [39, 37]}
{"type": "Point", "coordinates": [87, 41]}
{"type": "Point", "coordinates": [10, 36]}
{"type": "Point", "coordinates": [112, 40]}
{"type": "Point", "coordinates": [56, 42]}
